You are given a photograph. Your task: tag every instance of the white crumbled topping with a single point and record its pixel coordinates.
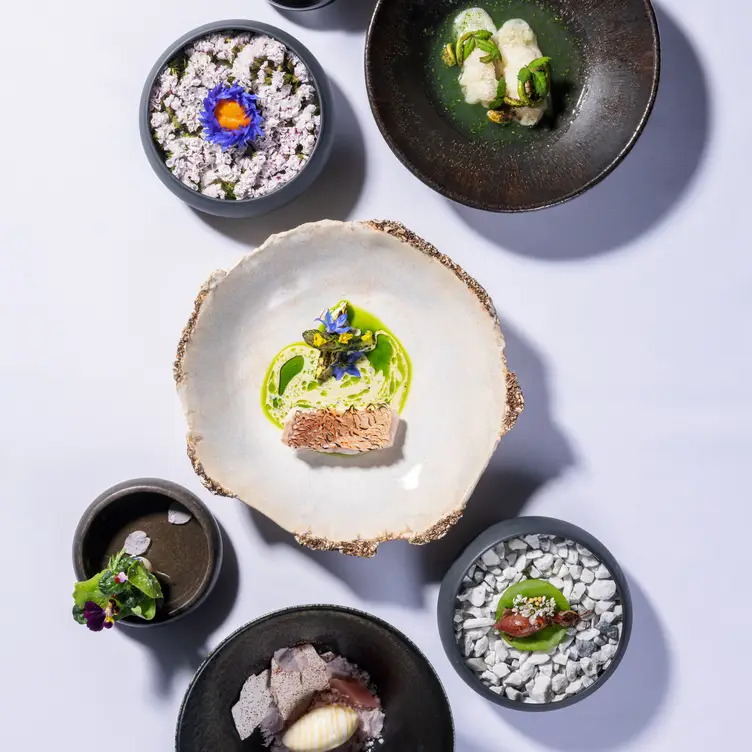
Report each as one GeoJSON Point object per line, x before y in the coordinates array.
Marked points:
{"type": "Point", "coordinates": [289, 108]}
{"type": "Point", "coordinates": [533, 609]}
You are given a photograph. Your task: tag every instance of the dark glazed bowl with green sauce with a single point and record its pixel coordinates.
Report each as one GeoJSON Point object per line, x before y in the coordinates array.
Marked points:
{"type": "Point", "coordinates": [605, 71]}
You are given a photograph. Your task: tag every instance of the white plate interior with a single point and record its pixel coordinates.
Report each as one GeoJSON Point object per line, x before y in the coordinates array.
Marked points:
{"type": "Point", "coordinates": [453, 417]}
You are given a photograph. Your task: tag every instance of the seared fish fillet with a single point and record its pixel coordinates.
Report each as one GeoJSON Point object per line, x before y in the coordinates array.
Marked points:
{"type": "Point", "coordinates": [350, 432]}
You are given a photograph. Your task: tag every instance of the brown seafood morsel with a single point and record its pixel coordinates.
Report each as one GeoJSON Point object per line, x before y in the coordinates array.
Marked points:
{"type": "Point", "coordinates": [350, 432]}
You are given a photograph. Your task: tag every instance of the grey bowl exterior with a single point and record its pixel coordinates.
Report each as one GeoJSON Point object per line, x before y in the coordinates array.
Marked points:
{"type": "Point", "coordinates": [173, 492]}
{"type": "Point", "coordinates": [500, 532]}
{"type": "Point", "coordinates": [284, 194]}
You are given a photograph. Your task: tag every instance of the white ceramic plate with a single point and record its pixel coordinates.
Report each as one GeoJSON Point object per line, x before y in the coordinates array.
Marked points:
{"type": "Point", "coordinates": [462, 398]}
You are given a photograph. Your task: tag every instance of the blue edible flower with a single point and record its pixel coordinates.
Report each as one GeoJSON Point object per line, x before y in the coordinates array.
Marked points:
{"type": "Point", "coordinates": [231, 117]}
{"type": "Point", "coordinates": [332, 326]}
{"type": "Point", "coordinates": [349, 367]}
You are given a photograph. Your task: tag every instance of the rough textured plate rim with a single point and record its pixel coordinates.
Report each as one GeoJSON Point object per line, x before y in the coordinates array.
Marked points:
{"type": "Point", "coordinates": [514, 401]}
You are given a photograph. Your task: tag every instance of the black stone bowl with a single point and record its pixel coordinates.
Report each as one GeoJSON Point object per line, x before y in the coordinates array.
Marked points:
{"type": "Point", "coordinates": [300, 4]}
{"type": "Point", "coordinates": [515, 528]}
{"type": "Point", "coordinates": [123, 509]}
{"type": "Point", "coordinates": [602, 96]}
{"type": "Point", "coordinates": [251, 207]}
{"type": "Point", "coordinates": [418, 716]}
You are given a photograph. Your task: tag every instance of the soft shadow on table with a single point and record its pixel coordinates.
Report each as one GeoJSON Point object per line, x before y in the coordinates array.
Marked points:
{"type": "Point", "coordinates": [533, 453]}
{"type": "Point", "coordinates": [642, 191]}
{"type": "Point", "coordinates": [332, 196]}
{"type": "Point", "coordinates": [620, 711]}
{"type": "Point", "coordinates": [348, 15]}
{"type": "Point", "coordinates": [182, 646]}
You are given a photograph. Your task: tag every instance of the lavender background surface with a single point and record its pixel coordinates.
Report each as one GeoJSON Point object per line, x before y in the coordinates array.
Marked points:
{"type": "Point", "coordinates": [627, 314]}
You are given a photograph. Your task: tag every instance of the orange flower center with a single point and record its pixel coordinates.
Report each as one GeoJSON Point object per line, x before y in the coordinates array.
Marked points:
{"type": "Point", "coordinates": [230, 115]}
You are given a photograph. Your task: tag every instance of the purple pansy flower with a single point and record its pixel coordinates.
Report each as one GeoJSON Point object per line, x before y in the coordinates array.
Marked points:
{"type": "Point", "coordinates": [340, 325]}
{"type": "Point", "coordinates": [98, 618]}
{"type": "Point", "coordinates": [240, 136]}
{"type": "Point", "coordinates": [121, 577]}
{"type": "Point", "coordinates": [349, 367]}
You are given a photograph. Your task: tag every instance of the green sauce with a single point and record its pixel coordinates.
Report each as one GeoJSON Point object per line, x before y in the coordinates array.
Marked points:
{"type": "Point", "coordinates": [289, 371]}
{"type": "Point", "coordinates": [555, 40]}
{"type": "Point", "coordinates": [385, 374]}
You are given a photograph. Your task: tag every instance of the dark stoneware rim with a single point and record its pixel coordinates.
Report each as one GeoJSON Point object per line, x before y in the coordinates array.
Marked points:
{"type": "Point", "coordinates": [312, 4]}
{"type": "Point", "coordinates": [321, 84]}
{"type": "Point", "coordinates": [458, 198]}
{"type": "Point", "coordinates": [172, 491]}
{"type": "Point", "coordinates": [496, 534]}
{"type": "Point", "coordinates": [312, 607]}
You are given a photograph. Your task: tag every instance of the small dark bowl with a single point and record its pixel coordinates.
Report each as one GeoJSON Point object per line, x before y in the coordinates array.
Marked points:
{"type": "Point", "coordinates": [300, 4]}
{"type": "Point", "coordinates": [251, 207]}
{"type": "Point", "coordinates": [452, 582]}
{"type": "Point", "coordinates": [603, 93]}
{"type": "Point", "coordinates": [418, 716]}
{"type": "Point", "coordinates": [99, 533]}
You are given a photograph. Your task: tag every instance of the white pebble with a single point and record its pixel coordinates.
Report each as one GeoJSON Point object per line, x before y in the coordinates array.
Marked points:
{"type": "Point", "coordinates": [541, 691]}
{"type": "Point", "coordinates": [516, 544]}
{"type": "Point", "coordinates": [476, 664]}
{"type": "Point", "coordinates": [521, 563]}
{"type": "Point", "coordinates": [538, 659]}
{"type": "Point", "coordinates": [560, 659]}
{"type": "Point", "coordinates": [478, 595]}
{"type": "Point", "coordinates": [528, 671]}
{"type": "Point", "coordinates": [586, 635]}
{"type": "Point", "coordinates": [602, 573]}
{"type": "Point", "coordinates": [602, 590]}
{"type": "Point", "coordinates": [513, 694]}
{"type": "Point", "coordinates": [545, 562]}
{"type": "Point", "coordinates": [603, 606]}
{"type": "Point", "coordinates": [573, 558]}
{"type": "Point", "coordinates": [514, 679]}
{"type": "Point", "coordinates": [490, 558]}
{"type": "Point", "coordinates": [575, 570]}
{"type": "Point", "coordinates": [577, 592]}
{"type": "Point", "coordinates": [588, 603]}
{"type": "Point", "coordinates": [509, 573]}
{"type": "Point", "coordinates": [547, 670]}
{"type": "Point", "coordinates": [572, 671]}
{"type": "Point", "coordinates": [535, 573]}
{"type": "Point", "coordinates": [574, 687]}
{"type": "Point", "coordinates": [501, 670]}
{"type": "Point", "coordinates": [533, 541]}
{"type": "Point", "coordinates": [480, 647]}
{"type": "Point", "coordinates": [557, 583]}
{"type": "Point", "coordinates": [559, 683]}
{"type": "Point", "coordinates": [502, 653]}
{"type": "Point", "coordinates": [587, 576]}
{"type": "Point", "coordinates": [484, 621]}
{"type": "Point", "coordinates": [490, 677]}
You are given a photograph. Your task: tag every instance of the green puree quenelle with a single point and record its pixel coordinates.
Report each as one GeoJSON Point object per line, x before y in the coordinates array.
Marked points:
{"type": "Point", "coordinates": [294, 378]}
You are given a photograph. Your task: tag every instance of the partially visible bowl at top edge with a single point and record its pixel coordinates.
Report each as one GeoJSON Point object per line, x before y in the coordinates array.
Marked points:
{"type": "Point", "coordinates": [300, 4]}
{"type": "Point", "coordinates": [603, 87]}
{"type": "Point", "coordinates": [285, 193]}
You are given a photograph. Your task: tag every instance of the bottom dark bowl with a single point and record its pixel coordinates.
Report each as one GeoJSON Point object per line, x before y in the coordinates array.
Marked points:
{"type": "Point", "coordinates": [515, 528]}
{"type": "Point", "coordinates": [418, 716]}
{"type": "Point", "coordinates": [191, 552]}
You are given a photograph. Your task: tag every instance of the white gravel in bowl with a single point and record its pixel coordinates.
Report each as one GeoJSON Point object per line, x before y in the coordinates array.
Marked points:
{"type": "Point", "coordinates": [287, 99]}
{"type": "Point", "coordinates": [587, 650]}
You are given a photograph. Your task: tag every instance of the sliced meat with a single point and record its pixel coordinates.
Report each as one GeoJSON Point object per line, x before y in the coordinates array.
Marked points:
{"type": "Point", "coordinates": [350, 432]}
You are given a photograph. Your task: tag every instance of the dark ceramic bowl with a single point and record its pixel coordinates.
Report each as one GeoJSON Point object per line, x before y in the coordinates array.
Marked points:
{"type": "Point", "coordinates": [192, 552]}
{"type": "Point", "coordinates": [301, 4]}
{"type": "Point", "coordinates": [285, 193]}
{"type": "Point", "coordinates": [603, 91]}
{"type": "Point", "coordinates": [452, 582]}
{"type": "Point", "coordinates": [418, 716]}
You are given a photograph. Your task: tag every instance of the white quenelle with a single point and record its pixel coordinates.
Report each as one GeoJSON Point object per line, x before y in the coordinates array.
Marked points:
{"type": "Point", "coordinates": [519, 47]}
{"type": "Point", "coordinates": [322, 729]}
{"type": "Point", "coordinates": [477, 79]}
